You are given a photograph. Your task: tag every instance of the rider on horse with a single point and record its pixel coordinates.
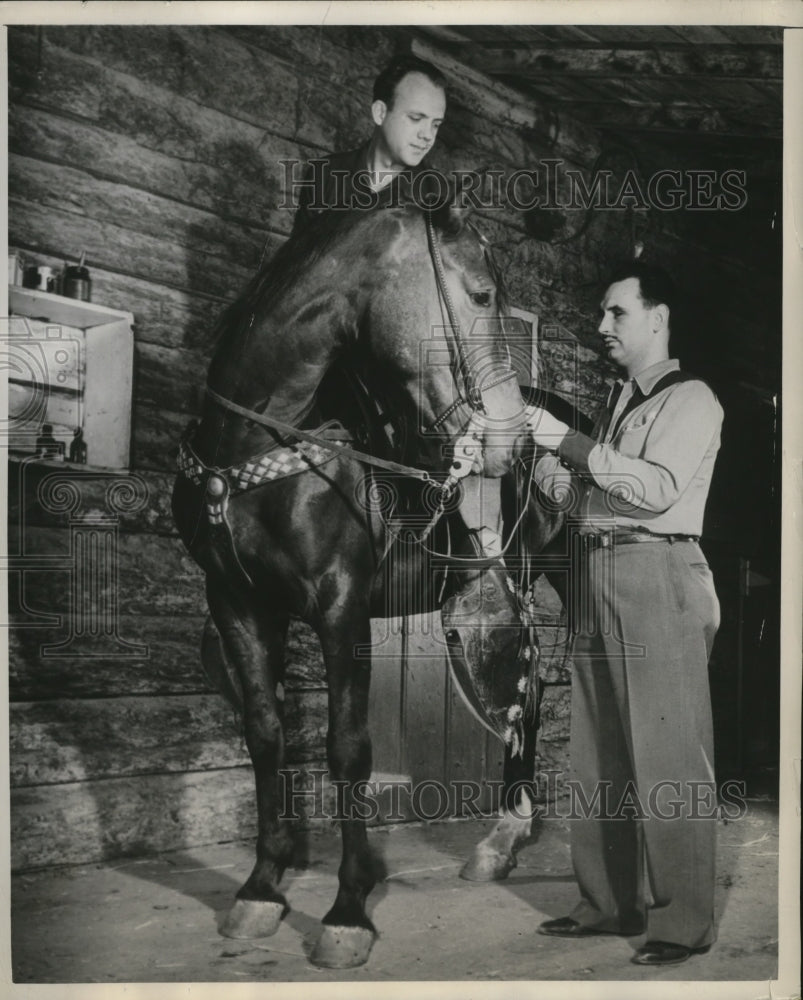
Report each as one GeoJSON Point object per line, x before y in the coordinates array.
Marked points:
{"type": "Point", "coordinates": [409, 104]}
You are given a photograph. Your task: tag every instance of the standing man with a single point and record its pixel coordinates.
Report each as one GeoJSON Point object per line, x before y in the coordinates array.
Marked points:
{"type": "Point", "coordinates": [644, 824]}
{"type": "Point", "coordinates": [409, 105]}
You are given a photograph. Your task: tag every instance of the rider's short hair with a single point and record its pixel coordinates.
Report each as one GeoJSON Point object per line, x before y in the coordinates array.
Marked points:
{"type": "Point", "coordinates": [395, 71]}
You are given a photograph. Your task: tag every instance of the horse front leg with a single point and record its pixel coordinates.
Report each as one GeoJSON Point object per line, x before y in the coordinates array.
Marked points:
{"type": "Point", "coordinates": [253, 643]}
{"type": "Point", "coordinates": [494, 857]}
{"type": "Point", "coordinates": [348, 934]}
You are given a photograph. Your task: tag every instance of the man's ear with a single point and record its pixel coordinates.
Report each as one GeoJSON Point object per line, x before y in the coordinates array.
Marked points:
{"type": "Point", "coordinates": [661, 317]}
{"type": "Point", "coordinates": [378, 112]}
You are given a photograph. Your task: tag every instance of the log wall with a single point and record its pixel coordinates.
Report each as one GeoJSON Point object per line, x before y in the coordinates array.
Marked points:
{"type": "Point", "coordinates": [157, 150]}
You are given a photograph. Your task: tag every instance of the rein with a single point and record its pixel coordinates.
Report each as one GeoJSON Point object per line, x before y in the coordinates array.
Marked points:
{"type": "Point", "coordinates": [315, 438]}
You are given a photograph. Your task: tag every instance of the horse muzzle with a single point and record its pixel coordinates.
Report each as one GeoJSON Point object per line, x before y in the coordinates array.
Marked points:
{"type": "Point", "coordinates": [502, 425]}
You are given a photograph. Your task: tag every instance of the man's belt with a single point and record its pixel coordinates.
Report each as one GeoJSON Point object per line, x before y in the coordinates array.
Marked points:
{"type": "Point", "coordinates": [628, 536]}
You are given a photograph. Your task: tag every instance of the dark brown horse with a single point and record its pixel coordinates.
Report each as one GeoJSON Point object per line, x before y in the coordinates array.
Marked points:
{"type": "Point", "coordinates": [279, 523]}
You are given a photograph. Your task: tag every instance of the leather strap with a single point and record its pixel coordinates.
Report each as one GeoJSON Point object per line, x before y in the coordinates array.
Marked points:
{"type": "Point", "coordinates": [338, 446]}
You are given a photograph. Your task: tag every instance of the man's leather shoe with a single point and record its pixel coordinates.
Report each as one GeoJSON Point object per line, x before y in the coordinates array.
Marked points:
{"type": "Point", "coordinates": [665, 953]}
{"type": "Point", "coordinates": [566, 927]}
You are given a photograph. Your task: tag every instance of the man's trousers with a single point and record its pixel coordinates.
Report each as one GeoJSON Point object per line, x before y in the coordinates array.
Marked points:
{"type": "Point", "coordinates": [643, 824]}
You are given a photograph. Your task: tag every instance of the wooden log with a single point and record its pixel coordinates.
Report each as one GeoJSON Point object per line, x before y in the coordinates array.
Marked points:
{"type": "Point", "coordinates": [54, 742]}
{"type": "Point", "coordinates": [170, 377]}
{"type": "Point", "coordinates": [218, 72]}
{"type": "Point", "coordinates": [353, 54]}
{"type": "Point", "coordinates": [71, 191]}
{"type": "Point", "coordinates": [745, 35]}
{"type": "Point", "coordinates": [155, 575]}
{"type": "Point", "coordinates": [162, 315]}
{"type": "Point", "coordinates": [83, 89]}
{"type": "Point", "coordinates": [129, 817]}
{"type": "Point", "coordinates": [171, 666]}
{"type": "Point", "coordinates": [199, 63]}
{"type": "Point", "coordinates": [25, 507]}
{"type": "Point", "coordinates": [726, 61]}
{"type": "Point", "coordinates": [116, 248]}
{"type": "Point", "coordinates": [99, 820]}
{"type": "Point", "coordinates": [156, 434]}
{"type": "Point", "coordinates": [244, 184]}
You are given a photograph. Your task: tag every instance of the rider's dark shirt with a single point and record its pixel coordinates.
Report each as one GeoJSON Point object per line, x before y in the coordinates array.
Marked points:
{"type": "Point", "coordinates": [342, 182]}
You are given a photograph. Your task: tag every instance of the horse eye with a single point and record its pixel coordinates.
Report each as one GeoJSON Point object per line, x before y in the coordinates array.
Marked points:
{"type": "Point", "coordinates": [480, 298]}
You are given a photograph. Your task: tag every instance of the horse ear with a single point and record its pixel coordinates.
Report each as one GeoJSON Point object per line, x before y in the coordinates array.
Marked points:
{"type": "Point", "coordinates": [451, 216]}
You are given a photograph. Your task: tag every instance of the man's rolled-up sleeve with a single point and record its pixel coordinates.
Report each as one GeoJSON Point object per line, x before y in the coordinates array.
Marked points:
{"type": "Point", "coordinates": [673, 447]}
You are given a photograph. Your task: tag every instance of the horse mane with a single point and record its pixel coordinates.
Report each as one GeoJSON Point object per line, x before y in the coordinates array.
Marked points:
{"type": "Point", "coordinates": [304, 248]}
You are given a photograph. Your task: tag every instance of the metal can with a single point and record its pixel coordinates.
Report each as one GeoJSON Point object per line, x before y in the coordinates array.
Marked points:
{"type": "Point", "coordinates": [76, 283]}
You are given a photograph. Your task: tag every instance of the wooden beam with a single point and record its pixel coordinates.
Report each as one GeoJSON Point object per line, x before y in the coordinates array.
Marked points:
{"type": "Point", "coordinates": [505, 106]}
{"type": "Point", "coordinates": [442, 33]}
{"type": "Point", "coordinates": [760, 62]}
{"type": "Point", "coordinates": [669, 119]}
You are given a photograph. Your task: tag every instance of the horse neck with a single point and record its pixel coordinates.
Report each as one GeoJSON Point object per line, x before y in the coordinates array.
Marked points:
{"type": "Point", "coordinates": [284, 347]}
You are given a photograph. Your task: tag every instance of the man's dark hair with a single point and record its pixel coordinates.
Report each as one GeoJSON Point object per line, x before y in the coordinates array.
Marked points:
{"type": "Point", "coordinates": [397, 69]}
{"type": "Point", "coordinates": [656, 286]}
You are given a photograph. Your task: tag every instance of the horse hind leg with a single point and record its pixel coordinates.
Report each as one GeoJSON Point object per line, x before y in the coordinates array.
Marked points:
{"type": "Point", "coordinates": [253, 644]}
{"type": "Point", "coordinates": [348, 934]}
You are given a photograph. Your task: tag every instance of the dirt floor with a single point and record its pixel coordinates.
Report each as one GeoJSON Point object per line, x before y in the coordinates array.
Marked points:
{"type": "Point", "coordinates": [155, 920]}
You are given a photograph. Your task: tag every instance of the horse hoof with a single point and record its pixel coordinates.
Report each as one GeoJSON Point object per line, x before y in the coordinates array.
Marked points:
{"type": "Point", "coordinates": [252, 918]}
{"type": "Point", "coordinates": [488, 865]}
{"type": "Point", "coordinates": [342, 947]}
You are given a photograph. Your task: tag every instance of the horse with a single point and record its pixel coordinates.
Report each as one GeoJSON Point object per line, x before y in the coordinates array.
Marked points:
{"type": "Point", "coordinates": [270, 502]}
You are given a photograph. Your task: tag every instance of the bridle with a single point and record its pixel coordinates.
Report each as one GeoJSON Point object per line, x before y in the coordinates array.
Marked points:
{"type": "Point", "coordinates": [467, 449]}
{"type": "Point", "coordinates": [473, 395]}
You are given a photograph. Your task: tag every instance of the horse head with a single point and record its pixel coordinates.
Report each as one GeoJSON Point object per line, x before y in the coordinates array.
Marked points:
{"type": "Point", "coordinates": [411, 297]}
{"type": "Point", "coordinates": [436, 323]}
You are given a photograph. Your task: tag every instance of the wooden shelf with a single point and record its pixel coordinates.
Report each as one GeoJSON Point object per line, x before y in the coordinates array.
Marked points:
{"type": "Point", "coordinates": [69, 364]}
{"type": "Point", "coordinates": [60, 310]}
